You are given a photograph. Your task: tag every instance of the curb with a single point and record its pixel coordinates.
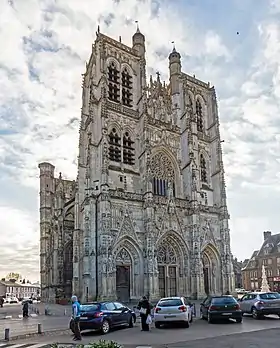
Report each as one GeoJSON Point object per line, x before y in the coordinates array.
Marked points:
{"type": "Point", "coordinates": [35, 334]}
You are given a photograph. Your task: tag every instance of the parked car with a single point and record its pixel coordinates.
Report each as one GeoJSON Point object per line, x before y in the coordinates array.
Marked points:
{"type": "Point", "coordinates": [260, 304]}
{"type": "Point", "coordinates": [172, 310]}
{"type": "Point", "coordinates": [103, 316]}
{"type": "Point", "coordinates": [11, 300]}
{"type": "Point", "coordinates": [220, 307]}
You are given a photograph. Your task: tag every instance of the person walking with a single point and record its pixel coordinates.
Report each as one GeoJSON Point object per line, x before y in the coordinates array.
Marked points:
{"type": "Point", "coordinates": [25, 309]}
{"type": "Point", "coordinates": [76, 313]}
{"type": "Point", "coordinates": [1, 302]}
{"type": "Point", "coordinates": [144, 307]}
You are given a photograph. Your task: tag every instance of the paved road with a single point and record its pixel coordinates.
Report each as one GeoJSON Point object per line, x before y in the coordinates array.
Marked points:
{"type": "Point", "coordinates": [259, 339]}
{"type": "Point", "coordinates": [30, 325]}
{"type": "Point", "coordinates": [200, 329]}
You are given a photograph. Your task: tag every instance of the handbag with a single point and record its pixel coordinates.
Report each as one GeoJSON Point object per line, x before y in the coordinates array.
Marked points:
{"type": "Point", "coordinates": [149, 320]}
{"type": "Point", "coordinates": [143, 310]}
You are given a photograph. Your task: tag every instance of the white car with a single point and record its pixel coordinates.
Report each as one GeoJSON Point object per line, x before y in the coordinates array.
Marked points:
{"type": "Point", "coordinates": [172, 310]}
{"type": "Point", "coordinates": [11, 300]}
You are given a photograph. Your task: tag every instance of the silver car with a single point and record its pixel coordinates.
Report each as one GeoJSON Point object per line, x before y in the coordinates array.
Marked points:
{"type": "Point", "coordinates": [172, 310]}
{"type": "Point", "coordinates": [260, 303]}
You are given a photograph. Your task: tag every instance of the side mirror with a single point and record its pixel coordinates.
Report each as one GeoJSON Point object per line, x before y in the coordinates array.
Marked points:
{"type": "Point", "coordinates": [124, 310]}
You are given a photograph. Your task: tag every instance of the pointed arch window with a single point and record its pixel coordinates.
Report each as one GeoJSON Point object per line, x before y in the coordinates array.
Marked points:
{"type": "Point", "coordinates": [203, 169]}
{"type": "Point", "coordinates": [114, 146]}
{"type": "Point", "coordinates": [126, 88]}
{"type": "Point", "coordinates": [114, 83]}
{"type": "Point", "coordinates": [199, 116]}
{"type": "Point", "coordinates": [163, 175]}
{"type": "Point", "coordinates": [128, 150]}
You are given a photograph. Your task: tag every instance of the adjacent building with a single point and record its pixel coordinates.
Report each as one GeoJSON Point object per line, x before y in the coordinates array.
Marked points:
{"type": "Point", "coordinates": [237, 270]}
{"type": "Point", "coordinates": [19, 290]}
{"type": "Point", "coordinates": [269, 256]}
{"type": "Point", "coordinates": [148, 211]}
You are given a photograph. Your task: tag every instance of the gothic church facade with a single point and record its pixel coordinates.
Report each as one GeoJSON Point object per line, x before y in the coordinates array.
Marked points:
{"type": "Point", "coordinates": [148, 211]}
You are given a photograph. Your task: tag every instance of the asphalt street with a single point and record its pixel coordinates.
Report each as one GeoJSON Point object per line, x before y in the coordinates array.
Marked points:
{"type": "Point", "coordinates": [174, 337]}
{"type": "Point", "coordinates": [30, 325]}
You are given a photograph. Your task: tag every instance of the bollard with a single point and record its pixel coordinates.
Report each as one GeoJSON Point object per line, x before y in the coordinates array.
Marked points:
{"type": "Point", "coordinates": [7, 335]}
{"type": "Point", "coordinates": [65, 312]}
{"type": "Point", "coordinates": [40, 329]}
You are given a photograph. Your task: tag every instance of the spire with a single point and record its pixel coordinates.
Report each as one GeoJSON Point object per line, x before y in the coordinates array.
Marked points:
{"type": "Point", "coordinates": [138, 41]}
{"type": "Point", "coordinates": [174, 56]}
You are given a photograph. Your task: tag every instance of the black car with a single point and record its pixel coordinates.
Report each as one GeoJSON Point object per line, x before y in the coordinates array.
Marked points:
{"type": "Point", "coordinates": [220, 307]}
{"type": "Point", "coordinates": [103, 316]}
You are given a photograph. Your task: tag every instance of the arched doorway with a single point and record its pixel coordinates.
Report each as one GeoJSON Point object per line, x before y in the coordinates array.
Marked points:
{"type": "Point", "coordinates": [167, 270]}
{"type": "Point", "coordinates": [211, 270]}
{"type": "Point", "coordinates": [123, 275]}
{"type": "Point", "coordinates": [206, 273]}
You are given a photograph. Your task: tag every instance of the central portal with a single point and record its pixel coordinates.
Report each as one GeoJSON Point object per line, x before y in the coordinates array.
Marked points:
{"type": "Point", "coordinates": [123, 283]}
{"type": "Point", "coordinates": [167, 271]}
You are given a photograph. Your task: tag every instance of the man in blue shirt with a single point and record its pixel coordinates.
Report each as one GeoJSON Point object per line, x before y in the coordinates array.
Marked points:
{"type": "Point", "coordinates": [76, 313]}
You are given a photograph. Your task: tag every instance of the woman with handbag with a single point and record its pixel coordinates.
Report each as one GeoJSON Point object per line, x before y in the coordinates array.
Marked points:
{"type": "Point", "coordinates": [144, 307]}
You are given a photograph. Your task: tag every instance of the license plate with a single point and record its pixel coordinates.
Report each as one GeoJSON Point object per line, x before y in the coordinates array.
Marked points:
{"type": "Point", "coordinates": [84, 318]}
{"type": "Point", "coordinates": [227, 314]}
{"type": "Point", "coordinates": [170, 316]}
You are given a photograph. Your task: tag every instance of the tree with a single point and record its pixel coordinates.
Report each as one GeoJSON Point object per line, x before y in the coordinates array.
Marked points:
{"type": "Point", "coordinates": [13, 276]}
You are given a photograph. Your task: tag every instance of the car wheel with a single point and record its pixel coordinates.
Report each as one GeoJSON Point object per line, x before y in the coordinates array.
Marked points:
{"type": "Point", "coordinates": [131, 323]}
{"type": "Point", "coordinates": [209, 319]}
{"type": "Point", "coordinates": [239, 320]}
{"type": "Point", "coordinates": [157, 325]}
{"type": "Point", "coordinates": [255, 313]}
{"type": "Point", "coordinates": [105, 328]}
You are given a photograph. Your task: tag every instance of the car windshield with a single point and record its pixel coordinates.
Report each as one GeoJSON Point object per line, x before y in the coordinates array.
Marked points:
{"type": "Point", "coordinates": [270, 296]}
{"type": "Point", "coordinates": [90, 307]}
{"type": "Point", "coordinates": [170, 303]}
{"type": "Point", "coordinates": [223, 300]}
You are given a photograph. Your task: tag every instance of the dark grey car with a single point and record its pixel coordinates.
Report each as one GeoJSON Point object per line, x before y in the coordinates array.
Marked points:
{"type": "Point", "coordinates": [260, 304]}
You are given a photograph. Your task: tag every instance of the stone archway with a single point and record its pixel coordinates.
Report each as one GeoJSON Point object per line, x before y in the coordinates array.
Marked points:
{"type": "Point", "coordinates": [167, 270]}
{"type": "Point", "coordinates": [172, 264]}
{"type": "Point", "coordinates": [211, 270]}
{"type": "Point", "coordinates": [123, 275]}
{"type": "Point", "coordinates": [128, 270]}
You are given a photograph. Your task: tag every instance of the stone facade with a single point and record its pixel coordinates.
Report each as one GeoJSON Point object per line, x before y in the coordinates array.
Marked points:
{"type": "Point", "coordinates": [150, 212]}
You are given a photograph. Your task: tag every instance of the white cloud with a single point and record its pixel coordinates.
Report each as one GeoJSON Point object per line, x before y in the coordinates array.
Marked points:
{"type": "Point", "coordinates": [46, 45]}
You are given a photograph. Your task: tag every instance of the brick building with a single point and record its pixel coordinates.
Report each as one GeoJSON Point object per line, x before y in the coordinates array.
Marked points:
{"type": "Point", "coordinates": [269, 256]}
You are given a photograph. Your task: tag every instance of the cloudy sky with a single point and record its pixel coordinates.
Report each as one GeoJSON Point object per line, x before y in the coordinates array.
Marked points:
{"type": "Point", "coordinates": [234, 44]}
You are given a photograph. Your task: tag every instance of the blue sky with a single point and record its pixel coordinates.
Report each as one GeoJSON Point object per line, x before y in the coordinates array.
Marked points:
{"type": "Point", "coordinates": [47, 43]}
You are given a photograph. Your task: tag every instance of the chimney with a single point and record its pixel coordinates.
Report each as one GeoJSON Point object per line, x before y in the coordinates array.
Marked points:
{"type": "Point", "coordinates": [266, 235]}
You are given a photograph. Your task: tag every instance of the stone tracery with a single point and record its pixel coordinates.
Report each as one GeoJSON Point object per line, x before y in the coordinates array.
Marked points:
{"type": "Point", "coordinates": [166, 255]}
{"type": "Point", "coordinates": [163, 174]}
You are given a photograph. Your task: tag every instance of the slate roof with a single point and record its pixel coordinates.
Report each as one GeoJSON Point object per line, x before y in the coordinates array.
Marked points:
{"type": "Point", "coordinates": [271, 242]}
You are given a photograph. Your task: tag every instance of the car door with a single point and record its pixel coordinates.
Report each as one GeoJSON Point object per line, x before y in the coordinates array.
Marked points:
{"type": "Point", "coordinates": [122, 312]}
{"type": "Point", "coordinates": [245, 303]}
{"type": "Point", "coordinates": [110, 312]}
{"type": "Point", "coordinates": [205, 306]}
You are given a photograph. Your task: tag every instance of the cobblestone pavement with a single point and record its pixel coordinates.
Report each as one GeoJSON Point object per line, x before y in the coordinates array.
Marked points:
{"type": "Point", "coordinates": [200, 331]}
